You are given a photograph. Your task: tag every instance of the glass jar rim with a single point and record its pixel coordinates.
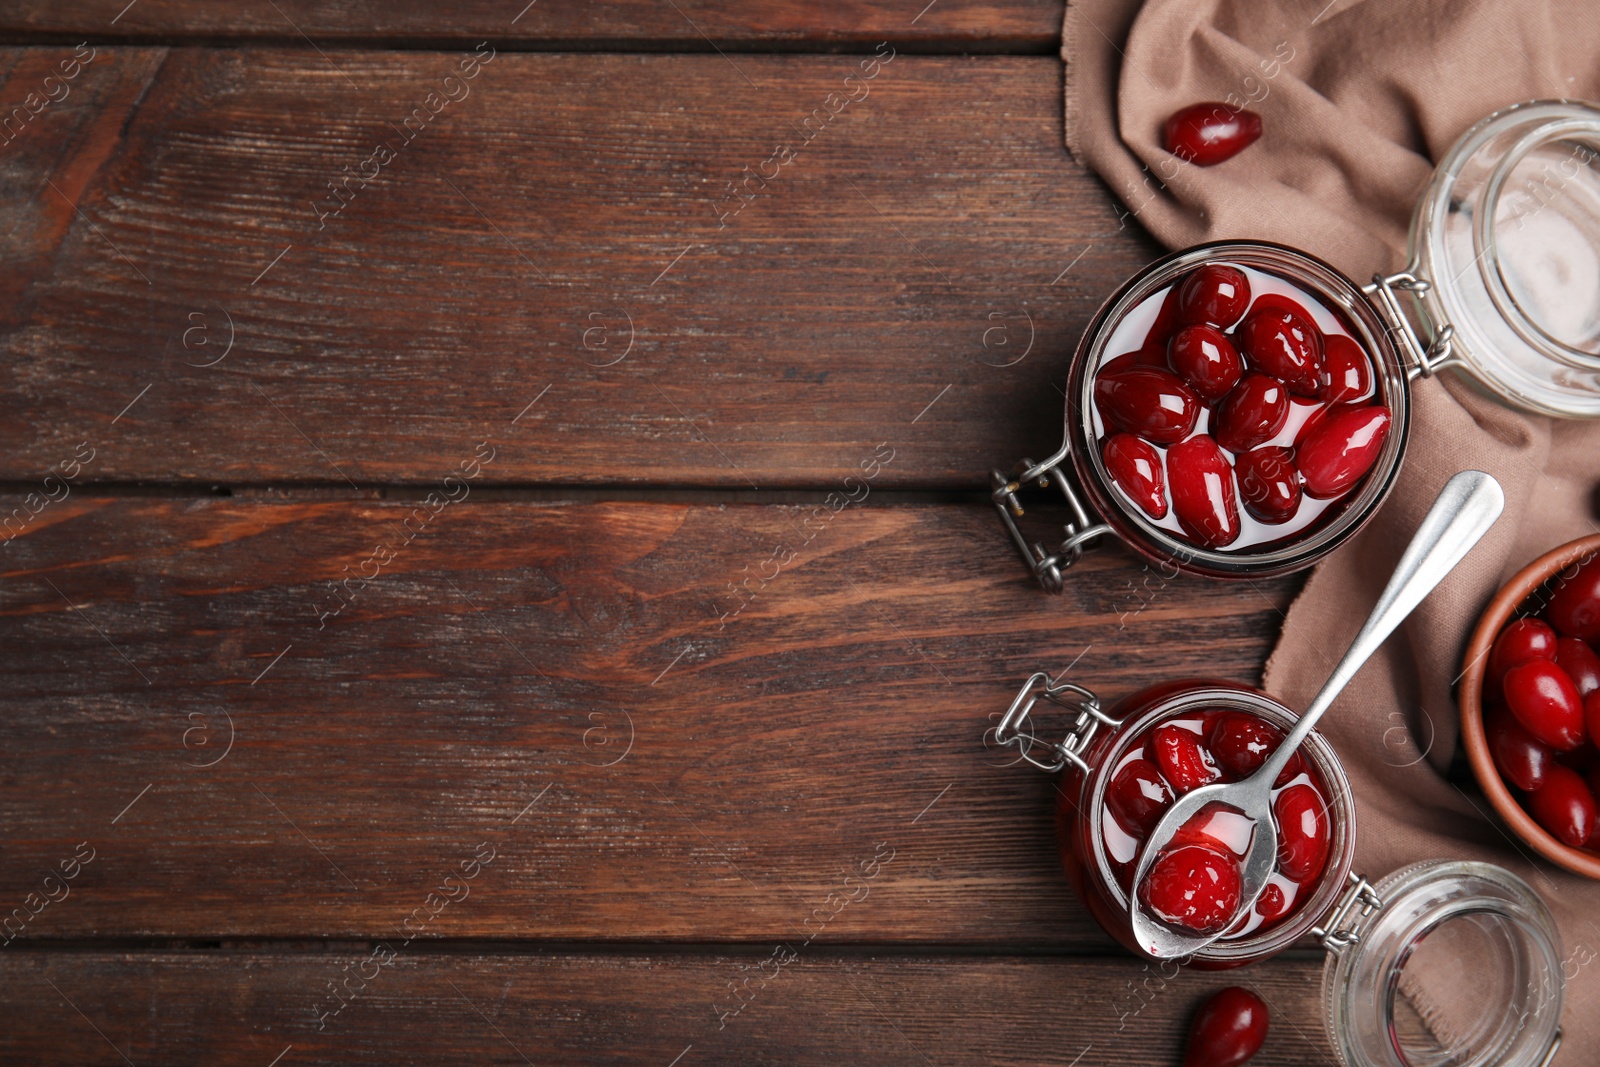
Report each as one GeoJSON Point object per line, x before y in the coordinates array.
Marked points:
{"type": "Point", "coordinates": [1372, 961]}
{"type": "Point", "coordinates": [1390, 376]}
{"type": "Point", "coordinates": [1341, 803]}
{"type": "Point", "coordinates": [1466, 300]}
{"type": "Point", "coordinates": [1493, 268]}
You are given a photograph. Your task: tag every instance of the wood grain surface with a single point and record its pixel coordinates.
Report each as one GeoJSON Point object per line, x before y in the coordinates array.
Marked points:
{"type": "Point", "coordinates": [487, 541]}
{"type": "Point", "coordinates": [556, 249]}
{"type": "Point", "coordinates": [245, 1008]}
{"type": "Point", "coordinates": [988, 26]}
{"type": "Point", "coordinates": [578, 687]}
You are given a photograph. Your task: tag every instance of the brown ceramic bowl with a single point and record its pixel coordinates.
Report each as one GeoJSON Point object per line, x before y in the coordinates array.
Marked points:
{"type": "Point", "coordinates": [1502, 609]}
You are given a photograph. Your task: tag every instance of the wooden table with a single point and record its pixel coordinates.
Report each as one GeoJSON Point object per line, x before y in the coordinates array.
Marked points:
{"type": "Point", "coordinates": [498, 566]}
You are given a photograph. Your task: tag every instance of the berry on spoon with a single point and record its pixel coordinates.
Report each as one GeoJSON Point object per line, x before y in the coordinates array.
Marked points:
{"type": "Point", "coordinates": [1193, 888]}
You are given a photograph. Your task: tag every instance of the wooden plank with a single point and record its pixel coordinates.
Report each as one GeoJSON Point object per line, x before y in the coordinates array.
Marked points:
{"type": "Point", "coordinates": [817, 1007]}
{"type": "Point", "coordinates": [986, 26]}
{"type": "Point", "coordinates": [62, 112]}
{"type": "Point", "coordinates": [556, 261]}
{"type": "Point", "coordinates": [573, 686]}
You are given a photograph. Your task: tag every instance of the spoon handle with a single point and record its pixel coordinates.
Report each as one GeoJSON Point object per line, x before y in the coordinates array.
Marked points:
{"type": "Point", "coordinates": [1467, 506]}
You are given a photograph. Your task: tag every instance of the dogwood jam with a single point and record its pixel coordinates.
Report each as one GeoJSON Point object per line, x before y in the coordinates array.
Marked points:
{"type": "Point", "coordinates": [1212, 746]}
{"type": "Point", "coordinates": [1237, 423]}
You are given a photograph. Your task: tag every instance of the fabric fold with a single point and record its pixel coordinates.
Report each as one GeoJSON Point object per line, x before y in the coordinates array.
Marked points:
{"type": "Point", "coordinates": [1359, 98]}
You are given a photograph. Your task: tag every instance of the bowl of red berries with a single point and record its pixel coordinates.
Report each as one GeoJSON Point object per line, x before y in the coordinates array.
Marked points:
{"type": "Point", "coordinates": [1530, 704]}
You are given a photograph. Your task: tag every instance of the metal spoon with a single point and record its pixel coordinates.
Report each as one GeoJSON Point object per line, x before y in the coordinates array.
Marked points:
{"type": "Point", "coordinates": [1467, 506]}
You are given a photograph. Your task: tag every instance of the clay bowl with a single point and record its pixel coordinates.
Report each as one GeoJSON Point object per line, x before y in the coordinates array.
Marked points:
{"type": "Point", "coordinates": [1502, 609]}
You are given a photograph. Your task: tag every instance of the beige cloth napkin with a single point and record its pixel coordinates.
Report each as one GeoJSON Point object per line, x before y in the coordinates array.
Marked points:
{"type": "Point", "coordinates": [1358, 99]}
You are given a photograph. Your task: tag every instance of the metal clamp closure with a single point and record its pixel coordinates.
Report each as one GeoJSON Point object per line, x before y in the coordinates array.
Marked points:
{"type": "Point", "coordinates": [1046, 567]}
{"type": "Point", "coordinates": [1014, 728]}
{"type": "Point", "coordinates": [1419, 361]}
{"type": "Point", "coordinates": [1345, 922]}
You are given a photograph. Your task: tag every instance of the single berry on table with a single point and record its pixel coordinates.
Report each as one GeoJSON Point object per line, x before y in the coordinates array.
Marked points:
{"type": "Point", "coordinates": [1228, 1030]}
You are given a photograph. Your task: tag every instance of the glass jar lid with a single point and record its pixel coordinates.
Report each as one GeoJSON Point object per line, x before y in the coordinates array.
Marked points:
{"type": "Point", "coordinates": [1447, 962]}
{"type": "Point", "coordinates": [1507, 240]}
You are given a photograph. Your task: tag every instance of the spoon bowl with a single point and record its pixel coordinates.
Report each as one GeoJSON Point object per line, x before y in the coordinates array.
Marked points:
{"type": "Point", "coordinates": [1465, 509]}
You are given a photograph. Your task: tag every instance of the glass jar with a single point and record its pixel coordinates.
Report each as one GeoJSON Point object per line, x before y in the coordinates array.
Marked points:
{"type": "Point", "coordinates": [1503, 287]}
{"type": "Point", "coordinates": [1095, 749]}
{"type": "Point", "coordinates": [1446, 962]}
{"type": "Point", "coordinates": [1443, 962]}
{"type": "Point", "coordinates": [1509, 233]}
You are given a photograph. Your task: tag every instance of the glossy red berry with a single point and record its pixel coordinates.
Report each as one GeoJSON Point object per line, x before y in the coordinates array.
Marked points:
{"type": "Point", "coordinates": [1341, 449]}
{"type": "Point", "coordinates": [1580, 663]}
{"type": "Point", "coordinates": [1151, 403]}
{"type": "Point", "coordinates": [1204, 358]}
{"type": "Point", "coordinates": [1214, 295]}
{"type": "Point", "coordinates": [1522, 641]}
{"type": "Point", "coordinates": [1564, 806]}
{"type": "Point", "coordinates": [1546, 703]}
{"type": "Point", "coordinates": [1135, 465]}
{"type": "Point", "coordinates": [1228, 1029]}
{"type": "Point", "coordinates": [1184, 762]}
{"type": "Point", "coordinates": [1286, 346]}
{"type": "Point", "coordinates": [1271, 903]}
{"type": "Point", "coordinates": [1303, 833]}
{"type": "Point", "coordinates": [1269, 484]}
{"type": "Point", "coordinates": [1591, 713]}
{"type": "Point", "coordinates": [1133, 360]}
{"type": "Point", "coordinates": [1221, 828]}
{"type": "Point", "coordinates": [1575, 602]}
{"type": "Point", "coordinates": [1252, 414]}
{"type": "Point", "coordinates": [1202, 487]}
{"type": "Point", "coordinates": [1349, 369]}
{"type": "Point", "coordinates": [1152, 356]}
{"type": "Point", "coordinates": [1279, 302]}
{"type": "Point", "coordinates": [1192, 888]}
{"type": "Point", "coordinates": [1137, 796]}
{"type": "Point", "coordinates": [1117, 364]}
{"type": "Point", "coordinates": [1166, 321]}
{"type": "Point", "coordinates": [1241, 743]}
{"type": "Point", "coordinates": [1522, 759]}
{"type": "Point", "coordinates": [1209, 133]}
